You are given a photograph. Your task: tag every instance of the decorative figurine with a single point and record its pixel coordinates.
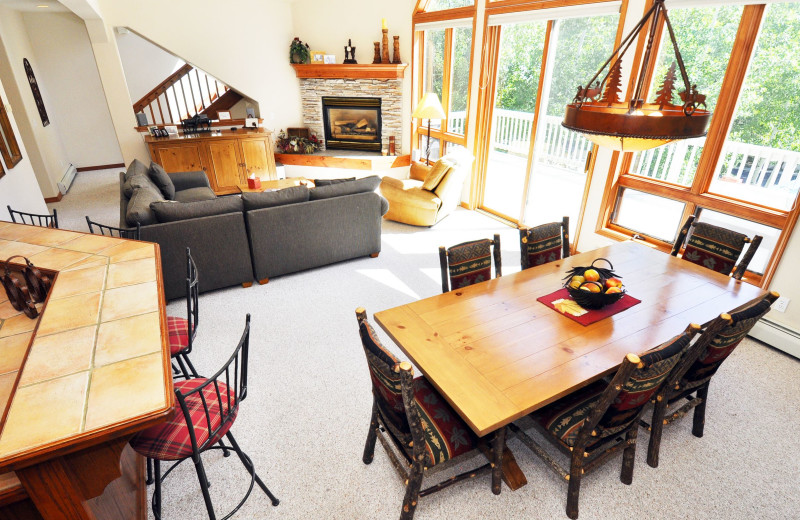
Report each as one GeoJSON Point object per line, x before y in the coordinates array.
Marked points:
{"type": "Point", "coordinates": [349, 52]}
{"type": "Point", "coordinates": [377, 57]}
{"type": "Point", "coordinates": [396, 51]}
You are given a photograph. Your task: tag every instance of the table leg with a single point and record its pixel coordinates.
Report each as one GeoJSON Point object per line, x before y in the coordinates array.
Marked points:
{"type": "Point", "coordinates": [512, 474]}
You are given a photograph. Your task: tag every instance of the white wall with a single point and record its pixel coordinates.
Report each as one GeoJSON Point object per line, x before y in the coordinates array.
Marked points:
{"type": "Point", "coordinates": [45, 149]}
{"type": "Point", "coordinates": [18, 187]}
{"type": "Point", "coordinates": [327, 26]}
{"type": "Point", "coordinates": [76, 98]}
{"type": "Point", "coordinates": [146, 65]}
{"type": "Point", "coordinates": [249, 53]}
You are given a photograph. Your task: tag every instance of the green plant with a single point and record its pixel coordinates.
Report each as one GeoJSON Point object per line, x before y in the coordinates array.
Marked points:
{"type": "Point", "coordinates": [299, 52]}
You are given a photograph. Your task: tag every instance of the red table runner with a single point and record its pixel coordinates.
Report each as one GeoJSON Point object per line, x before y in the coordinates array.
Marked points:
{"type": "Point", "coordinates": [627, 301]}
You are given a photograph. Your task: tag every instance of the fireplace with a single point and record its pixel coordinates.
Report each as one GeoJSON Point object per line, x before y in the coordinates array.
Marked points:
{"type": "Point", "coordinates": [352, 123]}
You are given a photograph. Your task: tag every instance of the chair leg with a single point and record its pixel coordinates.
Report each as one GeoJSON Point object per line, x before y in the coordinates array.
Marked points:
{"type": "Point", "coordinates": [190, 365]}
{"type": "Point", "coordinates": [414, 483]}
{"type": "Point", "coordinates": [157, 490]}
{"type": "Point", "coordinates": [498, 446]}
{"type": "Point", "coordinates": [656, 430]}
{"type": "Point", "coordinates": [201, 476]}
{"type": "Point", "coordinates": [369, 447]}
{"type": "Point", "coordinates": [182, 372]}
{"type": "Point", "coordinates": [629, 455]}
{"type": "Point", "coordinates": [248, 464]}
{"type": "Point", "coordinates": [699, 422]}
{"type": "Point", "coordinates": [149, 479]}
{"type": "Point", "coordinates": [574, 488]}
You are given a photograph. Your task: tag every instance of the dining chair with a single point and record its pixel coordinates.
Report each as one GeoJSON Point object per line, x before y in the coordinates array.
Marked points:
{"type": "Point", "coordinates": [687, 387]}
{"type": "Point", "coordinates": [182, 331]}
{"type": "Point", "coordinates": [597, 421]}
{"type": "Point", "coordinates": [34, 219]}
{"type": "Point", "coordinates": [205, 411]}
{"type": "Point", "coordinates": [544, 243]}
{"type": "Point", "coordinates": [416, 426]}
{"type": "Point", "coordinates": [97, 228]}
{"type": "Point", "coordinates": [469, 263]}
{"type": "Point", "coordinates": [715, 247]}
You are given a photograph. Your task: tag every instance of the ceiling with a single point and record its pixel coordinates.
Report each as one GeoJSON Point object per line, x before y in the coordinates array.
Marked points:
{"type": "Point", "coordinates": [32, 6]}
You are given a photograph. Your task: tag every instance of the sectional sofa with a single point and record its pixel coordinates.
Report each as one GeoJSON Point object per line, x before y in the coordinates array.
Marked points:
{"type": "Point", "coordinates": [236, 239]}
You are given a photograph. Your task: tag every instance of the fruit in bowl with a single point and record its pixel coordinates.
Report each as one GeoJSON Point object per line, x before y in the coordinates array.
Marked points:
{"type": "Point", "coordinates": [613, 282]}
{"type": "Point", "coordinates": [576, 281]}
{"type": "Point", "coordinates": [591, 275]}
{"type": "Point", "coordinates": [593, 287]}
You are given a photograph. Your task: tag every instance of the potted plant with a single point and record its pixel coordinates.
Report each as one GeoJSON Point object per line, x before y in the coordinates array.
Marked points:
{"type": "Point", "coordinates": [299, 52]}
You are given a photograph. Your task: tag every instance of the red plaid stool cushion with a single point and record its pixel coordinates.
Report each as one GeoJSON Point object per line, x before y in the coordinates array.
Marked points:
{"type": "Point", "coordinates": [170, 440]}
{"type": "Point", "coordinates": [178, 334]}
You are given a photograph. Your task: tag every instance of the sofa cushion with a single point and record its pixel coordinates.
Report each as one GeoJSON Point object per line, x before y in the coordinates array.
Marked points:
{"type": "Point", "coordinates": [139, 211]}
{"type": "Point", "coordinates": [195, 195]}
{"type": "Point", "coordinates": [269, 199]}
{"type": "Point", "coordinates": [418, 171]}
{"type": "Point", "coordinates": [136, 167]}
{"type": "Point", "coordinates": [436, 174]}
{"type": "Point", "coordinates": [160, 178]}
{"type": "Point", "coordinates": [135, 182]}
{"type": "Point", "coordinates": [364, 185]}
{"type": "Point", "coordinates": [328, 182]}
{"type": "Point", "coordinates": [172, 211]}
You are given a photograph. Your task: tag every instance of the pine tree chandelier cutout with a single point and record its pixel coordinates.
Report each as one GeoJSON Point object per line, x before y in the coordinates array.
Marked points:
{"type": "Point", "coordinates": [598, 111]}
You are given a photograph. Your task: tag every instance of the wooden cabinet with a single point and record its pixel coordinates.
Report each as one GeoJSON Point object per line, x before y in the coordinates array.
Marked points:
{"type": "Point", "coordinates": [227, 157]}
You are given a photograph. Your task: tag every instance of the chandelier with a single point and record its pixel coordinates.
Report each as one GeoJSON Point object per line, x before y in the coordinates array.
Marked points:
{"type": "Point", "coordinates": [634, 125]}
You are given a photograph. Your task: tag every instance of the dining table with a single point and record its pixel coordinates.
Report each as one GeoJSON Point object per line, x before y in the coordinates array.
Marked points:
{"type": "Point", "coordinates": [497, 354]}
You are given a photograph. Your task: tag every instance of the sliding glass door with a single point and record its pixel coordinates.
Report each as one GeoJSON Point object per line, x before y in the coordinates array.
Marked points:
{"type": "Point", "coordinates": [536, 169]}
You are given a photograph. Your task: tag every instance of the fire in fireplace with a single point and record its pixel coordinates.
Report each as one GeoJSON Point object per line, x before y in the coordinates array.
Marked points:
{"type": "Point", "coordinates": [352, 123]}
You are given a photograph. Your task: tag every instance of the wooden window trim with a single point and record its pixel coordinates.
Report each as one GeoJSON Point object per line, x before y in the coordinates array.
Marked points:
{"type": "Point", "coordinates": [447, 14]}
{"type": "Point", "coordinates": [11, 153]}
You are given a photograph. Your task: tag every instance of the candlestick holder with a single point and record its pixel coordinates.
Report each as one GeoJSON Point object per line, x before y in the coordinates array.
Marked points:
{"type": "Point", "coordinates": [385, 52]}
{"type": "Point", "coordinates": [377, 57]}
{"type": "Point", "coordinates": [396, 50]}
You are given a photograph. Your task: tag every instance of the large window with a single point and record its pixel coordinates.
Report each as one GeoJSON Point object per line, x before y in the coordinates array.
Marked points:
{"type": "Point", "coordinates": [745, 174]}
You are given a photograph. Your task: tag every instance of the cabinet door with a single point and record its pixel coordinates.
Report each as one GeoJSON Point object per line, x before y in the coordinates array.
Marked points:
{"type": "Point", "coordinates": [180, 158]}
{"type": "Point", "coordinates": [226, 164]}
{"type": "Point", "coordinates": [258, 158]}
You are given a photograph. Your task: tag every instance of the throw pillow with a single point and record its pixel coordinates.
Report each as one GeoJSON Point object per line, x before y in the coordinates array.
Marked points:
{"type": "Point", "coordinates": [138, 211]}
{"type": "Point", "coordinates": [169, 211]}
{"type": "Point", "coordinates": [136, 182]}
{"type": "Point", "coordinates": [328, 182]}
{"type": "Point", "coordinates": [364, 185]}
{"type": "Point", "coordinates": [437, 173]}
{"type": "Point", "coordinates": [136, 167]}
{"type": "Point", "coordinates": [270, 199]}
{"type": "Point", "coordinates": [161, 179]}
{"type": "Point", "coordinates": [418, 171]}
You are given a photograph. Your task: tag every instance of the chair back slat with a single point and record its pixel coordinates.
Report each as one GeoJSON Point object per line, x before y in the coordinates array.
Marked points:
{"type": "Point", "coordinates": [469, 263]}
{"type": "Point", "coordinates": [544, 243]}
{"type": "Point", "coordinates": [714, 247]}
{"type": "Point", "coordinates": [192, 299]}
{"type": "Point", "coordinates": [724, 342]}
{"type": "Point", "coordinates": [34, 219]}
{"type": "Point", "coordinates": [96, 228]}
{"type": "Point", "coordinates": [209, 393]}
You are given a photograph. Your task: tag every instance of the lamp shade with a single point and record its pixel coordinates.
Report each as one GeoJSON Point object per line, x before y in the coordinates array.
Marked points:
{"type": "Point", "coordinates": [429, 107]}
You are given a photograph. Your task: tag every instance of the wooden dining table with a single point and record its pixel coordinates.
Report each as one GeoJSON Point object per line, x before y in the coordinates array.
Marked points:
{"type": "Point", "coordinates": [497, 354]}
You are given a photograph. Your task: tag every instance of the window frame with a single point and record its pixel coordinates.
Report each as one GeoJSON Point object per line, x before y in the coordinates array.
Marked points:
{"type": "Point", "coordinates": [697, 194]}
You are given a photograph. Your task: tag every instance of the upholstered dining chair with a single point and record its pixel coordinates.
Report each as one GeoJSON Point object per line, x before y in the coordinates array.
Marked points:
{"type": "Point", "coordinates": [34, 219]}
{"type": "Point", "coordinates": [97, 228]}
{"type": "Point", "coordinates": [469, 263]}
{"type": "Point", "coordinates": [423, 431]}
{"type": "Point", "coordinates": [183, 330]}
{"type": "Point", "coordinates": [715, 247]}
{"type": "Point", "coordinates": [206, 409]}
{"type": "Point", "coordinates": [687, 387]}
{"type": "Point", "coordinates": [544, 243]}
{"type": "Point", "coordinates": [597, 421]}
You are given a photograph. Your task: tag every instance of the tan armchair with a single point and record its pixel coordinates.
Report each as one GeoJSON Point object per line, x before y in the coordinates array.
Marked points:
{"type": "Point", "coordinates": [410, 203]}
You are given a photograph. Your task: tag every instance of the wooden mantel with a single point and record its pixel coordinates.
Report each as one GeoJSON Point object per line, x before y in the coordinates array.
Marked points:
{"type": "Point", "coordinates": [342, 71]}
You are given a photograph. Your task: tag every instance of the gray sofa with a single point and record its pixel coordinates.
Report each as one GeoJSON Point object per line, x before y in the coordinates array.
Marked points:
{"type": "Point", "coordinates": [259, 235]}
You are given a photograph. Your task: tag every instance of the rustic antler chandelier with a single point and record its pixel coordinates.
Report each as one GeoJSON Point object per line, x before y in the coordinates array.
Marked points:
{"type": "Point", "coordinates": [598, 111]}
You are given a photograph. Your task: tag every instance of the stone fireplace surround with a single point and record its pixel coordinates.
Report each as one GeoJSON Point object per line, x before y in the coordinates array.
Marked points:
{"type": "Point", "coordinates": [389, 90]}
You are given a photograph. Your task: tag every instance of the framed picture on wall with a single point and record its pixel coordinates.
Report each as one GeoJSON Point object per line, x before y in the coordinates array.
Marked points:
{"type": "Point", "coordinates": [317, 56]}
{"type": "Point", "coordinates": [330, 59]}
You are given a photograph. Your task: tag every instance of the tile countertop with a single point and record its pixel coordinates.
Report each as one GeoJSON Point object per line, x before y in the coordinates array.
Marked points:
{"type": "Point", "coordinates": [95, 363]}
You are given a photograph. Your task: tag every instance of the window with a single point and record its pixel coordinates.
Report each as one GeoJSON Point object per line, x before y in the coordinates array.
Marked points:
{"type": "Point", "coordinates": [745, 173]}
{"type": "Point", "coordinates": [441, 5]}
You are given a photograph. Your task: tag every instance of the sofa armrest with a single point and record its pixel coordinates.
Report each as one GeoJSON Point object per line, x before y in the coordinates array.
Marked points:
{"type": "Point", "coordinates": [187, 180]}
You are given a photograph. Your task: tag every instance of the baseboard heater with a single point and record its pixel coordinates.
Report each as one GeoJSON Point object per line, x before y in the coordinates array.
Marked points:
{"type": "Point", "coordinates": [778, 336]}
{"type": "Point", "coordinates": [67, 178]}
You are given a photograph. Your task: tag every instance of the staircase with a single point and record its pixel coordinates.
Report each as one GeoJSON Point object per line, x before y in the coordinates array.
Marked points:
{"type": "Point", "coordinates": [186, 92]}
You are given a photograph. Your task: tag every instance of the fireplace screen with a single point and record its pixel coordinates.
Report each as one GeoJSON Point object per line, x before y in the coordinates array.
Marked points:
{"type": "Point", "coordinates": [352, 123]}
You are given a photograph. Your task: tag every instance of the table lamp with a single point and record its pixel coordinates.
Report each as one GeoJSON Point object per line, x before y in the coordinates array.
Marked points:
{"type": "Point", "coordinates": [429, 108]}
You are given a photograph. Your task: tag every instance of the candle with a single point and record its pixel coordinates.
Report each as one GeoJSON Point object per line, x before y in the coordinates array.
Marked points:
{"type": "Point", "coordinates": [383, 24]}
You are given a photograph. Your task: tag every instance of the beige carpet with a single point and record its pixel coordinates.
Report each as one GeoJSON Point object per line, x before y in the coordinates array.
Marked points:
{"type": "Point", "coordinates": [306, 417]}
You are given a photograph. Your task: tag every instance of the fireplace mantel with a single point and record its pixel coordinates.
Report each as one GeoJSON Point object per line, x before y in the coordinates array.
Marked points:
{"type": "Point", "coordinates": [342, 71]}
